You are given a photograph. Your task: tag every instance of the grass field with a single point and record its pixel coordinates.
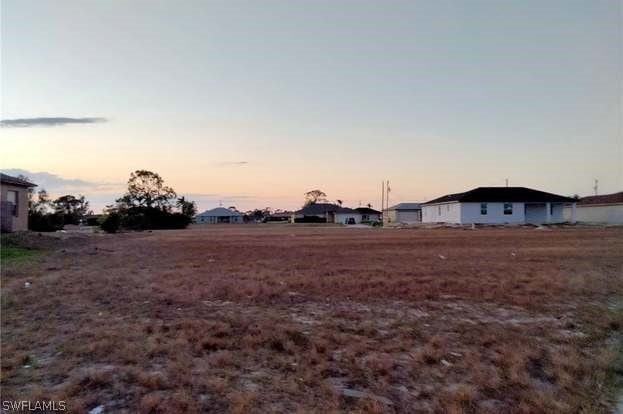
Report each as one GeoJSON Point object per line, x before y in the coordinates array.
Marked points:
{"type": "Point", "coordinates": [296, 319]}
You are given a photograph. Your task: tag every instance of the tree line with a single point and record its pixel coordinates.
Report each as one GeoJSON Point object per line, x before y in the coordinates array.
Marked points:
{"type": "Point", "coordinates": [46, 214]}
{"type": "Point", "coordinates": [147, 204]}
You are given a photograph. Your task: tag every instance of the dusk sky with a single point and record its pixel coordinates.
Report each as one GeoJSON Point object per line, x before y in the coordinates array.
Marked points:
{"type": "Point", "coordinates": [256, 102]}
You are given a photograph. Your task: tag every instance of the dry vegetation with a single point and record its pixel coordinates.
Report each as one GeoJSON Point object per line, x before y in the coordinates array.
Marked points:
{"type": "Point", "coordinates": [293, 319]}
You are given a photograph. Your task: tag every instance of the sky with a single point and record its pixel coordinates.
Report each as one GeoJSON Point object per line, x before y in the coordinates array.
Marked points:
{"type": "Point", "coordinates": [253, 103]}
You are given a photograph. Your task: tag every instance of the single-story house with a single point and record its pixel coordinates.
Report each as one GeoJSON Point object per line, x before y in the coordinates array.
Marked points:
{"type": "Point", "coordinates": [219, 215]}
{"type": "Point", "coordinates": [326, 213]}
{"type": "Point", "coordinates": [14, 203]}
{"type": "Point", "coordinates": [599, 209]}
{"type": "Point", "coordinates": [369, 215]}
{"type": "Point", "coordinates": [404, 213]}
{"type": "Point", "coordinates": [497, 205]}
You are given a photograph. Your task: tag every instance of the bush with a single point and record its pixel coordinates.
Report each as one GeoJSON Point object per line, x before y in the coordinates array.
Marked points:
{"type": "Point", "coordinates": [150, 218]}
{"type": "Point", "coordinates": [110, 223]}
{"type": "Point", "coordinates": [310, 219]}
{"type": "Point", "coordinates": [94, 220]}
{"type": "Point", "coordinates": [71, 218]}
{"type": "Point", "coordinates": [45, 222]}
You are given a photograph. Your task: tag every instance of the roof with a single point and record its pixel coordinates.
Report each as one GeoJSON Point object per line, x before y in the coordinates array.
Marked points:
{"type": "Point", "coordinates": [9, 179]}
{"type": "Point", "coordinates": [406, 206]}
{"type": "Point", "coordinates": [502, 194]}
{"type": "Point", "coordinates": [367, 210]}
{"type": "Point", "coordinates": [219, 212]}
{"type": "Point", "coordinates": [315, 209]}
{"type": "Point", "coordinates": [615, 198]}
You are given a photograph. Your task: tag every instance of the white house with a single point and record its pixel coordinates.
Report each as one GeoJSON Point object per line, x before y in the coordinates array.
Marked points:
{"type": "Point", "coordinates": [498, 205]}
{"type": "Point", "coordinates": [601, 209]}
{"type": "Point", "coordinates": [404, 213]}
{"type": "Point", "coordinates": [218, 215]}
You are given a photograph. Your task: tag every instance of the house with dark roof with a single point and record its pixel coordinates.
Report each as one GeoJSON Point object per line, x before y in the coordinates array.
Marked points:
{"type": "Point", "coordinates": [369, 215]}
{"type": "Point", "coordinates": [219, 215]}
{"type": "Point", "coordinates": [14, 203]}
{"type": "Point", "coordinates": [405, 213]}
{"type": "Point", "coordinates": [598, 209]}
{"type": "Point", "coordinates": [498, 205]}
{"type": "Point", "coordinates": [326, 213]}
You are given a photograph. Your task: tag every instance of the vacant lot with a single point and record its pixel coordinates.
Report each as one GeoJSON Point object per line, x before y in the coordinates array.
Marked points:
{"type": "Point", "coordinates": [294, 319]}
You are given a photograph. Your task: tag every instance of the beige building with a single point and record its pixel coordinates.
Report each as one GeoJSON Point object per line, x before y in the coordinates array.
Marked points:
{"type": "Point", "coordinates": [405, 213]}
{"type": "Point", "coordinates": [14, 203]}
{"type": "Point", "coordinates": [600, 209]}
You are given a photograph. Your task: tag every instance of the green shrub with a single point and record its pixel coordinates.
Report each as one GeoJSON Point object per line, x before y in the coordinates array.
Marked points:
{"type": "Point", "coordinates": [151, 218]}
{"type": "Point", "coordinates": [110, 222]}
{"type": "Point", "coordinates": [45, 222]}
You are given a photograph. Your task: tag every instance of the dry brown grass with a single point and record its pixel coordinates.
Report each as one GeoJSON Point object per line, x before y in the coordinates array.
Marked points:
{"type": "Point", "coordinates": [295, 319]}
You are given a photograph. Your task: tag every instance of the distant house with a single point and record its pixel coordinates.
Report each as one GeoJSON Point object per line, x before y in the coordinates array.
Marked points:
{"type": "Point", "coordinates": [369, 215]}
{"type": "Point", "coordinates": [326, 213]}
{"type": "Point", "coordinates": [14, 203]}
{"type": "Point", "coordinates": [600, 209]}
{"type": "Point", "coordinates": [218, 215]}
{"type": "Point", "coordinates": [404, 213]}
{"type": "Point", "coordinates": [497, 205]}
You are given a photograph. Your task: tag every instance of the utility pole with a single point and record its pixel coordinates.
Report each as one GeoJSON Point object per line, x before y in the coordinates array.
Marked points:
{"type": "Point", "coordinates": [507, 182]}
{"type": "Point", "coordinates": [596, 186]}
{"type": "Point", "coordinates": [383, 199]}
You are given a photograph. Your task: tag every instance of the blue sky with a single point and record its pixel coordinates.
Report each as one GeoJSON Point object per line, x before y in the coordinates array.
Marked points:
{"type": "Point", "coordinates": [256, 102]}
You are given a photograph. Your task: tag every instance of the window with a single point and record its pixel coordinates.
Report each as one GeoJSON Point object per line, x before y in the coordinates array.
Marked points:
{"type": "Point", "coordinates": [551, 209]}
{"type": "Point", "coordinates": [508, 208]}
{"type": "Point", "coordinates": [11, 197]}
{"type": "Point", "coordinates": [439, 210]}
{"type": "Point", "coordinates": [483, 208]}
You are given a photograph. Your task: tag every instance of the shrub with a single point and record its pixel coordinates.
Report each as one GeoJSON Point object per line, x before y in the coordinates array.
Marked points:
{"type": "Point", "coordinates": [94, 220]}
{"type": "Point", "coordinates": [310, 219]}
{"type": "Point", "coordinates": [110, 223]}
{"type": "Point", "coordinates": [150, 218]}
{"type": "Point", "coordinates": [45, 222]}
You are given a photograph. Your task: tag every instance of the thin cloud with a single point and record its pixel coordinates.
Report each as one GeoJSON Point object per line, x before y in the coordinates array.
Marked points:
{"type": "Point", "coordinates": [47, 122]}
{"type": "Point", "coordinates": [56, 184]}
{"type": "Point", "coordinates": [232, 163]}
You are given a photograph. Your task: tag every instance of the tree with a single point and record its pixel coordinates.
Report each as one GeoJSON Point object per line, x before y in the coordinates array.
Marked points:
{"type": "Point", "coordinates": [339, 202]}
{"type": "Point", "coordinates": [369, 205]}
{"type": "Point", "coordinates": [72, 208]}
{"type": "Point", "coordinates": [187, 208]}
{"type": "Point", "coordinates": [68, 204]}
{"type": "Point", "coordinates": [40, 214]}
{"type": "Point", "coordinates": [314, 196]}
{"type": "Point", "coordinates": [41, 204]}
{"type": "Point", "coordinates": [147, 189]}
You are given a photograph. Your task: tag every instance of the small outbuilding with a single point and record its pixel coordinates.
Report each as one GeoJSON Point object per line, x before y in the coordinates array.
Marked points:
{"type": "Point", "coordinates": [14, 203]}
{"type": "Point", "coordinates": [598, 209]}
{"type": "Point", "coordinates": [498, 205]}
{"type": "Point", "coordinates": [406, 213]}
{"type": "Point", "coordinates": [219, 215]}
